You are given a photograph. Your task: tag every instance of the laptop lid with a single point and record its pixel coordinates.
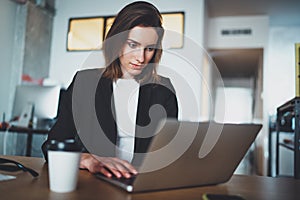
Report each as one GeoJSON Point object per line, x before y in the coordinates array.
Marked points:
{"type": "Point", "coordinates": [187, 154]}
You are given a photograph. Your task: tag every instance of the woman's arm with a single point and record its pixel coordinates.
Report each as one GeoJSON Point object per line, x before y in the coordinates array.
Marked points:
{"type": "Point", "coordinates": [64, 128]}
{"type": "Point", "coordinates": [170, 103]}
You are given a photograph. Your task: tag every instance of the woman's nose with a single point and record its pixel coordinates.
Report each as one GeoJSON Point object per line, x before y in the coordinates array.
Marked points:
{"type": "Point", "coordinates": [140, 55]}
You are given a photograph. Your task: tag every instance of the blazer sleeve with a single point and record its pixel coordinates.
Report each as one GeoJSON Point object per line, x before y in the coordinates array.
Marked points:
{"type": "Point", "coordinates": [171, 104]}
{"type": "Point", "coordinates": [168, 97]}
{"type": "Point", "coordinates": [64, 128]}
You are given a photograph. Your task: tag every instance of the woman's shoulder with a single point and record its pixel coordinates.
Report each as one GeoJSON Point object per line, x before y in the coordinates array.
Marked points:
{"type": "Point", "coordinates": [87, 76]}
{"type": "Point", "coordinates": [165, 82]}
{"type": "Point", "coordinates": [91, 71]}
{"type": "Point", "coordinates": [162, 80]}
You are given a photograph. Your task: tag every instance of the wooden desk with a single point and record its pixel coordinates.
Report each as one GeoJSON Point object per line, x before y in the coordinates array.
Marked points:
{"type": "Point", "coordinates": [89, 187]}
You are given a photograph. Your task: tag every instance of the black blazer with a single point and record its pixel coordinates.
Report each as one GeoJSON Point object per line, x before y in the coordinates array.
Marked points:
{"type": "Point", "coordinates": [87, 110]}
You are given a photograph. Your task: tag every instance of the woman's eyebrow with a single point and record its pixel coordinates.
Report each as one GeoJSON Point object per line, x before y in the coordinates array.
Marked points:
{"type": "Point", "coordinates": [131, 40]}
{"type": "Point", "coordinates": [149, 45]}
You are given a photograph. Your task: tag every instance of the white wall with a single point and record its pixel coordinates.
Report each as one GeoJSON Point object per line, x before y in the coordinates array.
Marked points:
{"type": "Point", "coordinates": [7, 24]}
{"type": "Point", "coordinates": [258, 38]}
{"type": "Point", "coordinates": [279, 70]}
{"type": "Point", "coordinates": [63, 64]}
{"type": "Point", "coordinates": [236, 97]}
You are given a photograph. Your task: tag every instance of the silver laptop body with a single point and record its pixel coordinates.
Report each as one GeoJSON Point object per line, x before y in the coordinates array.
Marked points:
{"type": "Point", "coordinates": [188, 154]}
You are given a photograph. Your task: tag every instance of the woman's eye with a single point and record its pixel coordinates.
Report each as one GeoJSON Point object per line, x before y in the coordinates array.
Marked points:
{"type": "Point", "coordinates": [132, 45]}
{"type": "Point", "coordinates": [150, 49]}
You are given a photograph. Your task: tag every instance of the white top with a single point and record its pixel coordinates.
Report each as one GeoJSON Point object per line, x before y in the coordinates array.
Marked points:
{"type": "Point", "coordinates": [126, 94]}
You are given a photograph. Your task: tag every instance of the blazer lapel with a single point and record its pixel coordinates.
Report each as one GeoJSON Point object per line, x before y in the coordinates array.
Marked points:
{"type": "Point", "coordinates": [143, 119]}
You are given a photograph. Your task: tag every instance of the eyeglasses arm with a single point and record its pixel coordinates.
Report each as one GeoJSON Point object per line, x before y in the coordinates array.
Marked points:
{"type": "Point", "coordinates": [22, 167]}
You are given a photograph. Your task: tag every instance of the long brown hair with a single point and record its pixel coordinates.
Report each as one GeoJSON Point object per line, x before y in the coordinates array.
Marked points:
{"type": "Point", "coordinates": [135, 14]}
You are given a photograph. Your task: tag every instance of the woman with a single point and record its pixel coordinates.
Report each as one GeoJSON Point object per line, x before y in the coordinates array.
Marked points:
{"type": "Point", "coordinates": [129, 100]}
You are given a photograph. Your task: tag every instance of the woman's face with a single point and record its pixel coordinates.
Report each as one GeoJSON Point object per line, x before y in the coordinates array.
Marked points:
{"type": "Point", "coordinates": [138, 50]}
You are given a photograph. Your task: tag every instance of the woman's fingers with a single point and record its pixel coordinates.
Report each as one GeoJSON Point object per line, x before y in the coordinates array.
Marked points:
{"type": "Point", "coordinates": [105, 172]}
{"type": "Point", "coordinates": [125, 167]}
{"type": "Point", "coordinates": [118, 167]}
{"type": "Point", "coordinates": [108, 166]}
{"type": "Point", "coordinates": [131, 169]}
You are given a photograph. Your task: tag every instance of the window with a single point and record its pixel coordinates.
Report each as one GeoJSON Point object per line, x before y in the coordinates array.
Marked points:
{"type": "Point", "coordinates": [86, 34]}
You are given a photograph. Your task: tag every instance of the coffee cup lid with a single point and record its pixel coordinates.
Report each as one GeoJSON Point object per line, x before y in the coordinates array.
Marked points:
{"type": "Point", "coordinates": [64, 145]}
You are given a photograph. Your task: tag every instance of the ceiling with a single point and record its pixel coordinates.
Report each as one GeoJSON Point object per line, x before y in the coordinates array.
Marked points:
{"type": "Point", "coordinates": [237, 62]}
{"type": "Point", "coordinates": [244, 62]}
{"type": "Point", "coordinates": [281, 12]}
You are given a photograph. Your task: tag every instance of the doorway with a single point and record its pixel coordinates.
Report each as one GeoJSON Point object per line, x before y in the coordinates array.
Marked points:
{"type": "Point", "coordinates": [241, 71]}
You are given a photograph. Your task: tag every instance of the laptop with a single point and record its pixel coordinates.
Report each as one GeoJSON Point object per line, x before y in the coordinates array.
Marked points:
{"type": "Point", "coordinates": [188, 154]}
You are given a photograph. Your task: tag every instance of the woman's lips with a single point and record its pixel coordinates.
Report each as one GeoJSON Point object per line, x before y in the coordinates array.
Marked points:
{"type": "Point", "coordinates": [135, 66]}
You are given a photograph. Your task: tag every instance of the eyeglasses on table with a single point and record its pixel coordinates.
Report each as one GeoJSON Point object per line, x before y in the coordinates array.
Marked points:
{"type": "Point", "coordinates": [5, 165]}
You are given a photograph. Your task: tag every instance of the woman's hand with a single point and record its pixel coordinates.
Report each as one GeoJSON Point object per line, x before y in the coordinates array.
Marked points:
{"type": "Point", "coordinates": [108, 166]}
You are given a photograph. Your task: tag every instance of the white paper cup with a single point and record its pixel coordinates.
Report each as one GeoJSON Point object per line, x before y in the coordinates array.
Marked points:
{"type": "Point", "coordinates": [63, 167]}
